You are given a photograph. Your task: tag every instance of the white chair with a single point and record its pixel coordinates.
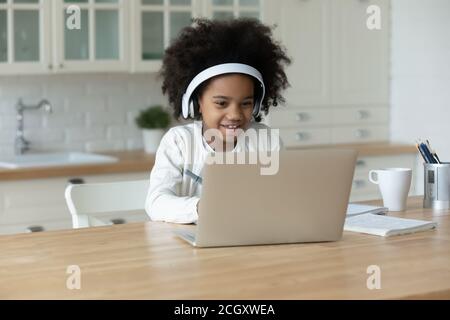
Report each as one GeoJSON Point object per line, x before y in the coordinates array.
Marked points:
{"type": "Point", "coordinates": [86, 199]}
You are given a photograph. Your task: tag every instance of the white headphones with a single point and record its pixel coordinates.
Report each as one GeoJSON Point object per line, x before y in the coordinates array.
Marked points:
{"type": "Point", "coordinates": [188, 103]}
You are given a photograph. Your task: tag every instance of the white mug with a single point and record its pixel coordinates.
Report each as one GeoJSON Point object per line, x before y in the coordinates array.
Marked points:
{"type": "Point", "coordinates": [394, 184]}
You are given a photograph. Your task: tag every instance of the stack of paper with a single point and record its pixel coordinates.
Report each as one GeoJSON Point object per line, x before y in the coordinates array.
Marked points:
{"type": "Point", "coordinates": [354, 209]}
{"type": "Point", "coordinates": [385, 226]}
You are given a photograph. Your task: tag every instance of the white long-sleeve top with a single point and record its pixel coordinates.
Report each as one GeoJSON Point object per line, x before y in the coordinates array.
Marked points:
{"type": "Point", "coordinates": [173, 195]}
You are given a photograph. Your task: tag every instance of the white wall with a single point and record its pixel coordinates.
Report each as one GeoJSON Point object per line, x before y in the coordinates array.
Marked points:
{"type": "Point", "coordinates": [420, 92]}
{"type": "Point", "coordinates": [420, 88]}
{"type": "Point", "coordinates": [91, 112]}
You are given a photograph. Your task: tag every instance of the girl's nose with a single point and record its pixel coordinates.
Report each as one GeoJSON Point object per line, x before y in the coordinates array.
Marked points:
{"type": "Point", "coordinates": [234, 112]}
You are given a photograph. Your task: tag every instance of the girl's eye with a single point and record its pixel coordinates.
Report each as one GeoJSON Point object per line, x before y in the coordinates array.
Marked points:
{"type": "Point", "coordinates": [220, 103]}
{"type": "Point", "coordinates": [248, 103]}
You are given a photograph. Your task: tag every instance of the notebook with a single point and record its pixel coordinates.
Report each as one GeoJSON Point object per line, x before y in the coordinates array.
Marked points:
{"type": "Point", "coordinates": [354, 209]}
{"type": "Point", "coordinates": [385, 226]}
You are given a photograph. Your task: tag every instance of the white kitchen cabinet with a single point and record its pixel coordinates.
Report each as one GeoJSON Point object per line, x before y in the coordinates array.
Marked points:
{"type": "Point", "coordinates": [102, 41]}
{"type": "Point", "coordinates": [360, 57]}
{"type": "Point", "coordinates": [155, 24]}
{"type": "Point", "coordinates": [228, 9]}
{"type": "Point", "coordinates": [306, 33]}
{"type": "Point", "coordinates": [363, 189]}
{"type": "Point", "coordinates": [336, 59]}
{"type": "Point", "coordinates": [42, 36]}
{"type": "Point", "coordinates": [301, 137]}
{"type": "Point", "coordinates": [359, 134]}
{"type": "Point", "coordinates": [25, 36]}
{"type": "Point", "coordinates": [339, 74]}
{"type": "Point", "coordinates": [40, 203]}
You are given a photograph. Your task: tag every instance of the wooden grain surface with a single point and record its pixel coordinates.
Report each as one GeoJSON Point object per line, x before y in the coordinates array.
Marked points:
{"type": "Point", "coordinates": [146, 261]}
{"type": "Point", "coordinates": [139, 161]}
{"type": "Point", "coordinates": [129, 161]}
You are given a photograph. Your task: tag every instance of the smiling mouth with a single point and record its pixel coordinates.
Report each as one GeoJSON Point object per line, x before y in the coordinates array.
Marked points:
{"type": "Point", "coordinates": [231, 127]}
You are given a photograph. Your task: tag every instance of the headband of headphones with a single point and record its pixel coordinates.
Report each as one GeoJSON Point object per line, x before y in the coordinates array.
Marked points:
{"type": "Point", "coordinates": [187, 102]}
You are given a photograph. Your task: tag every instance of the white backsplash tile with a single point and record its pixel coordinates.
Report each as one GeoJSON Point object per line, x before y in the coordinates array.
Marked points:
{"type": "Point", "coordinates": [80, 134]}
{"type": "Point", "coordinates": [135, 144]}
{"type": "Point", "coordinates": [91, 113]}
{"type": "Point", "coordinates": [100, 146]}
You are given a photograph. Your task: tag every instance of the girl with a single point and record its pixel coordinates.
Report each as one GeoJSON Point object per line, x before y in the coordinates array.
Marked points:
{"type": "Point", "coordinates": [224, 75]}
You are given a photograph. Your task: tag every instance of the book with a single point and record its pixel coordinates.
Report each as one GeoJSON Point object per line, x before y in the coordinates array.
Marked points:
{"type": "Point", "coordinates": [386, 226]}
{"type": "Point", "coordinates": [355, 209]}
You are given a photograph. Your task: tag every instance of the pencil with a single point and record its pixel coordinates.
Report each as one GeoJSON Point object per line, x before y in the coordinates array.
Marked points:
{"type": "Point", "coordinates": [421, 153]}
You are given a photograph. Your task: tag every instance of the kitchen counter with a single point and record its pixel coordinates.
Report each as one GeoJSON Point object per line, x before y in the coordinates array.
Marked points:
{"type": "Point", "coordinates": [129, 161]}
{"type": "Point", "coordinates": [146, 261]}
{"type": "Point", "coordinates": [374, 149]}
{"type": "Point", "coordinates": [139, 161]}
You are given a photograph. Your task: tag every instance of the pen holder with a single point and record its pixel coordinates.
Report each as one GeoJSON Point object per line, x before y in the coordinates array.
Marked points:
{"type": "Point", "coordinates": [437, 185]}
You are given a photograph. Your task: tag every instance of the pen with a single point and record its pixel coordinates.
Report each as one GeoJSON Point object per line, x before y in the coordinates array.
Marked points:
{"type": "Point", "coordinates": [421, 153]}
{"type": "Point", "coordinates": [435, 156]}
{"type": "Point", "coordinates": [194, 176]}
{"type": "Point", "coordinates": [428, 155]}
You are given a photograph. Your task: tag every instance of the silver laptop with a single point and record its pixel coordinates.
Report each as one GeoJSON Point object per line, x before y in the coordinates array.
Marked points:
{"type": "Point", "coordinates": [305, 201]}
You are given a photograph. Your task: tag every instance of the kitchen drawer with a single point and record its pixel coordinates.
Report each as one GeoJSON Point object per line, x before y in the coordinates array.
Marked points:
{"type": "Point", "coordinates": [365, 164]}
{"type": "Point", "coordinates": [363, 189]}
{"type": "Point", "coordinates": [117, 177]}
{"type": "Point", "coordinates": [34, 214]}
{"type": "Point", "coordinates": [359, 134]}
{"type": "Point", "coordinates": [32, 200]}
{"type": "Point", "coordinates": [304, 137]}
{"type": "Point", "coordinates": [41, 200]}
{"type": "Point", "coordinates": [362, 185]}
{"type": "Point", "coordinates": [45, 225]}
{"type": "Point", "coordinates": [364, 196]}
{"type": "Point", "coordinates": [298, 118]}
{"type": "Point", "coordinates": [125, 217]}
{"type": "Point", "coordinates": [360, 115]}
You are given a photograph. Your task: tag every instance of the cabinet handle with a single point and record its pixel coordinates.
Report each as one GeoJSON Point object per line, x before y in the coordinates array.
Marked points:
{"type": "Point", "coordinates": [35, 229]}
{"type": "Point", "coordinates": [360, 163]}
{"type": "Point", "coordinates": [301, 136]}
{"type": "Point", "coordinates": [302, 116]}
{"type": "Point", "coordinates": [76, 181]}
{"type": "Point", "coordinates": [363, 114]}
{"type": "Point", "coordinates": [61, 65]}
{"type": "Point", "coordinates": [362, 133]}
{"type": "Point", "coordinates": [118, 221]}
{"type": "Point", "coordinates": [359, 184]}
{"type": "Point", "coordinates": [50, 66]}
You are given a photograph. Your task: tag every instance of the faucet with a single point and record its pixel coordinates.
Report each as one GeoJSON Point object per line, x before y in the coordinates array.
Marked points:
{"type": "Point", "coordinates": [21, 144]}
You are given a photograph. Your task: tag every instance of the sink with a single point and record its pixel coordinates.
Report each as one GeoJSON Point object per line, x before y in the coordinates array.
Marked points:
{"type": "Point", "coordinates": [54, 159]}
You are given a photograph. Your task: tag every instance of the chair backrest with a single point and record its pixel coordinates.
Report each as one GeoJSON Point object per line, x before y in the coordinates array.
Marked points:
{"type": "Point", "coordinates": [86, 199]}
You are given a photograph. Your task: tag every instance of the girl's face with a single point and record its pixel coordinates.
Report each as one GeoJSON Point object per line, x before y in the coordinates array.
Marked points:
{"type": "Point", "coordinates": [227, 104]}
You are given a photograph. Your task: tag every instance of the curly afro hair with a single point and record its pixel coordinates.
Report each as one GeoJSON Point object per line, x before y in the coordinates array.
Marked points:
{"type": "Point", "coordinates": [210, 42]}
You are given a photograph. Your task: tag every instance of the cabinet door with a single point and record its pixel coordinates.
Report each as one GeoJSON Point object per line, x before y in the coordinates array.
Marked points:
{"type": "Point", "coordinates": [229, 9]}
{"type": "Point", "coordinates": [305, 31]}
{"type": "Point", "coordinates": [91, 35]}
{"type": "Point", "coordinates": [363, 189]}
{"type": "Point", "coordinates": [156, 24]}
{"type": "Point", "coordinates": [24, 36]}
{"type": "Point", "coordinates": [41, 203]}
{"type": "Point", "coordinates": [360, 57]}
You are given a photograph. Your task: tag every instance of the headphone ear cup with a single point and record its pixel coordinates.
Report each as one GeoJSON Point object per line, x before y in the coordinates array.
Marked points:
{"type": "Point", "coordinates": [191, 109]}
{"type": "Point", "coordinates": [258, 100]}
{"type": "Point", "coordinates": [256, 108]}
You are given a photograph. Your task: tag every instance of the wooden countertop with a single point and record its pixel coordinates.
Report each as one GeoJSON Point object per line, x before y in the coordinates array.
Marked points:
{"type": "Point", "coordinates": [129, 161]}
{"type": "Point", "coordinates": [146, 261]}
{"type": "Point", "coordinates": [373, 149]}
{"type": "Point", "coordinates": [138, 161]}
